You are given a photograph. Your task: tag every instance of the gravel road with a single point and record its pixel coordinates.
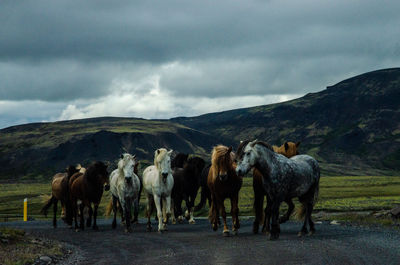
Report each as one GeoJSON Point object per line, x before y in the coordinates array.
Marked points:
{"type": "Point", "coordinates": [198, 244]}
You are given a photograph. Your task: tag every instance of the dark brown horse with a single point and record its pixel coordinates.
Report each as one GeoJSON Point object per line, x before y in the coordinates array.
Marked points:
{"type": "Point", "coordinates": [186, 185]}
{"type": "Point", "coordinates": [288, 149]}
{"type": "Point", "coordinates": [60, 192]}
{"type": "Point", "coordinates": [223, 183]}
{"type": "Point", "coordinates": [87, 188]}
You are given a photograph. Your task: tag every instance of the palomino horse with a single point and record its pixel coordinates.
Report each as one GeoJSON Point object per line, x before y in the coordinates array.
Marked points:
{"type": "Point", "coordinates": [124, 188]}
{"type": "Point", "coordinates": [87, 188]}
{"type": "Point", "coordinates": [283, 178]}
{"type": "Point", "coordinates": [60, 192]}
{"type": "Point", "coordinates": [157, 183]}
{"type": "Point", "coordinates": [288, 149]}
{"type": "Point", "coordinates": [223, 183]}
{"type": "Point", "coordinates": [186, 185]}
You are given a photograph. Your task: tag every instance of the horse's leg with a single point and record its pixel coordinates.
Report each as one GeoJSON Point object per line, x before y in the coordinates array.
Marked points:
{"type": "Point", "coordinates": [128, 206]}
{"type": "Point", "coordinates": [89, 220]}
{"type": "Point", "coordinates": [235, 214]}
{"type": "Point", "coordinates": [310, 206]}
{"type": "Point", "coordinates": [190, 206]}
{"type": "Point", "coordinates": [223, 213]}
{"type": "Point", "coordinates": [213, 213]}
{"type": "Point", "coordinates": [168, 206]}
{"type": "Point", "coordinates": [81, 223]}
{"type": "Point", "coordinates": [267, 216]}
{"type": "Point", "coordinates": [63, 212]}
{"type": "Point", "coordinates": [114, 205]}
{"type": "Point", "coordinates": [55, 213]}
{"type": "Point", "coordinates": [75, 213]}
{"type": "Point", "coordinates": [258, 207]}
{"type": "Point", "coordinates": [173, 219]}
{"type": "Point", "coordinates": [275, 230]}
{"type": "Point", "coordinates": [135, 211]}
{"type": "Point", "coordinates": [286, 217]}
{"type": "Point", "coordinates": [157, 202]}
{"type": "Point", "coordinates": [149, 210]}
{"type": "Point", "coordinates": [96, 206]}
{"type": "Point", "coordinates": [164, 212]}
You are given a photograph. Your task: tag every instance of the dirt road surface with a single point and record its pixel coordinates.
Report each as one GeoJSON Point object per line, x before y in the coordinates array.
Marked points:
{"type": "Point", "coordinates": [198, 244]}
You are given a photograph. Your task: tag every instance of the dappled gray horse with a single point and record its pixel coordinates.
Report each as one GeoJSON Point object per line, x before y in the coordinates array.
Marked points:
{"type": "Point", "coordinates": [283, 179]}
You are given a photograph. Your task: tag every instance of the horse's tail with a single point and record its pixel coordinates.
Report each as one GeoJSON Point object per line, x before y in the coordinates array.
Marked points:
{"type": "Point", "coordinates": [109, 208]}
{"type": "Point", "coordinates": [301, 211]}
{"type": "Point", "coordinates": [49, 200]}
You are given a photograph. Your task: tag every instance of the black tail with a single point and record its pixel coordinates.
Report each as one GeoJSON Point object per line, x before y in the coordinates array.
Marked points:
{"type": "Point", "coordinates": [47, 205]}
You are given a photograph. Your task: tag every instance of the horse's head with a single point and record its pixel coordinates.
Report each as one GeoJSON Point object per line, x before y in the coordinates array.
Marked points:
{"type": "Point", "coordinates": [245, 157]}
{"type": "Point", "coordinates": [222, 161]}
{"type": "Point", "coordinates": [71, 170]}
{"type": "Point", "coordinates": [162, 161]}
{"type": "Point", "coordinates": [127, 165]}
{"type": "Point", "coordinates": [291, 149]}
{"type": "Point", "coordinates": [97, 173]}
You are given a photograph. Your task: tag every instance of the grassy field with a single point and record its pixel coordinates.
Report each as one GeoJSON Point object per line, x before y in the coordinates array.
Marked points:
{"type": "Point", "coordinates": [337, 194]}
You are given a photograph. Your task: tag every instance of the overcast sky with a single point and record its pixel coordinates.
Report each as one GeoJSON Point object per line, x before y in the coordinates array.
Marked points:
{"type": "Point", "coordinates": [63, 60]}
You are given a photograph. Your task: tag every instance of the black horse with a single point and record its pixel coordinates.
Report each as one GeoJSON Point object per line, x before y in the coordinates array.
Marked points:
{"type": "Point", "coordinates": [186, 185]}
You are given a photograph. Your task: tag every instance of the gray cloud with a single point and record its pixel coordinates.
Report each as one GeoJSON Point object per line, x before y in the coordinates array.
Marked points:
{"type": "Point", "coordinates": [84, 53]}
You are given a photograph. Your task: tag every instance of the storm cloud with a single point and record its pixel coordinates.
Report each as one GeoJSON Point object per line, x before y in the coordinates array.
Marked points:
{"type": "Point", "coordinates": [73, 59]}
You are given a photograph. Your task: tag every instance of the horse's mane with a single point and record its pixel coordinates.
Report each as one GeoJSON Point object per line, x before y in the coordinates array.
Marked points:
{"type": "Point", "coordinates": [218, 152]}
{"type": "Point", "coordinates": [159, 156]}
{"type": "Point", "coordinates": [123, 160]}
{"type": "Point", "coordinates": [243, 144]}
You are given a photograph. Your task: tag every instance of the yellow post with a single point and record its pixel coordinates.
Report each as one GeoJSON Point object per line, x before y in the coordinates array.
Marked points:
{"type": "Point", "coordinates": [25, 209]}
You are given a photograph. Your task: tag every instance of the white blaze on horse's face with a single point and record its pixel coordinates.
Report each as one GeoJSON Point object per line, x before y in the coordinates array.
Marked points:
{"type": "Point", "coordinates": [247, 160]}
{"type": "Point", "coordinates": [165, 166]}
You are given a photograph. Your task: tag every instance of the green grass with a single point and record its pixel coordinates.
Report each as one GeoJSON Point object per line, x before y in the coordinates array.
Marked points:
{"type": "Point", "coordinates": [337, 194]}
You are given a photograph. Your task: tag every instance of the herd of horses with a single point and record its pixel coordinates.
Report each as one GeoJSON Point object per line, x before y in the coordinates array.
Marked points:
{"type": "Point", "coordinates": [279, 174]}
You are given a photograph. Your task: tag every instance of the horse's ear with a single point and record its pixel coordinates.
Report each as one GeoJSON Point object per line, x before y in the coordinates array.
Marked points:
{"type": "Point", "coordinates": [134, 156]}
{"type": "Point", "coordinates": [170, 152]}
{"type": "Point", "coordinates": [158, 151]}
{"type": "Point", "coordinates": [253, 143]}
{"type": "Point", "coordinates": [297, 144]}
{"type": "Point", "coordinates": [286, 146]}
{"type": "Point", "coordinates": [122, 156]}
{"type": "Point", "coordinates": [241, 141]}
{"type": "Point", "coordinates": [230, 149]}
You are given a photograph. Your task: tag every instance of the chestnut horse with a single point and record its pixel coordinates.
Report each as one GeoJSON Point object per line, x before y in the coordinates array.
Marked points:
{"type": "Point", "coordinates": [288, 149]}
{"type": "Point", "coordinates": [223, 183]}
{"type": "Point", "coordinates": [87, 188]}
{"type": "Point", "coordinates": [60, 192]}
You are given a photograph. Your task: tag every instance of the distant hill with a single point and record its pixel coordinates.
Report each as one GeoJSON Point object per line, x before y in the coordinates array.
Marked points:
{"type": "Point", "coordinates": [40, 149]}
{"type": "Point", "coordinates": [352, 128]}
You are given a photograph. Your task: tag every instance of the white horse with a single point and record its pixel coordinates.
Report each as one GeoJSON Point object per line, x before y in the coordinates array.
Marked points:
{"type": "Point", "coordinates": [124, 188]}
{"type": "Point", "coordinates": [158, 183]}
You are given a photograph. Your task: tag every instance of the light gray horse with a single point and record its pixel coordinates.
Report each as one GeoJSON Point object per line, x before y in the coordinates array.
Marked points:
{"type": "Point", "coordinates": [283, 179]}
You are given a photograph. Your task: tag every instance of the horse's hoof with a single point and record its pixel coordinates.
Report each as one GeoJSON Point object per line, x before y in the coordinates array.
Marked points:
{"type": "Point", "coordinates": [128, 230]}
{"type": "Point", "coordinates": [187, 214]}
{"type": "Point", "coordinates": [77, 230]}
{"type": "Point", "coordinates": [255, 228]}
{"type": "Point", "coordinates": [273, 236]}
{"type": "Point", "coordinates": [135, 221]}
{"type": "Point", "coordinates": [180, 219]}
{"type": "Point", "coordinates": [192, 221]}
{"type": "Point", "coordinates": [215, 227]}
{"type": "Point", "coordinates": [226, 233]}
{"type": "Point", "coordinates": [311, 233]}
{"type": "Point", "coordinates": [148, 229]}
{"type": "Point", "coordinates": [300, 234]}
{"type": "Point", "coordinates": [235, 232]}
{"type": "Point", "coordinates": [95, 228]}
{"type": "Point", "coordinates": [173, 221]}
